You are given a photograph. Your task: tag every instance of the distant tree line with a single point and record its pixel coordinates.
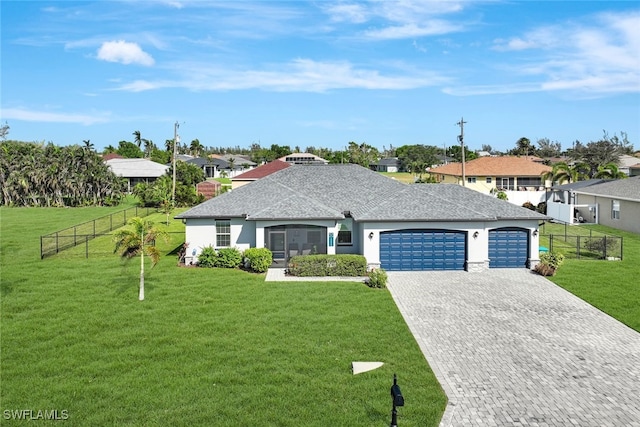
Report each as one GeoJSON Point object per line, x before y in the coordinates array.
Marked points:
{"type": "Point", "coordinates": [34, 174]}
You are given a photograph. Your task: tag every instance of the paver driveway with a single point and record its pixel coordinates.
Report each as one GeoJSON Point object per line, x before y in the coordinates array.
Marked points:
{"type": "Point", "coordinates": [511, 348]}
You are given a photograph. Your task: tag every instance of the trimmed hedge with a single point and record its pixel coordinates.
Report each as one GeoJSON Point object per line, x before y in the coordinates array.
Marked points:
{"type": "Point", "coordinates": [258, 259]}
{"type": "Point", "coordinates": [328, 265]}
{"type": "Point", "coordinates": [221, 258]}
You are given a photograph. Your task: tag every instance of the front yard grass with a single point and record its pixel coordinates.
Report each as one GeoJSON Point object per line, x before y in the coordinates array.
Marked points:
{"type": "Point", "coordinates": [206, 347]}
{"type": "Point", "coordinates": [611, 286]}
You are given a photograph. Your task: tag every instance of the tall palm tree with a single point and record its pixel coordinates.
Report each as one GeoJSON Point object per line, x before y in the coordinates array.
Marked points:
{"type": "Point", "coordinates": [138, 139]}
{"type": "Point", "coordinates": [195, 147]}
{"type": "Point", "coordinates": [139, 240]}
{"type": "Point", "coordinates": [564, 173]}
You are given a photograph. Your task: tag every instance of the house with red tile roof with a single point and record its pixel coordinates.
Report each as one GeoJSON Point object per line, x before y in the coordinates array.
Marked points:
{"type": "Point", "coordinates": [488, 175]}
{"type": "Point", "coordinates": [257, 173]}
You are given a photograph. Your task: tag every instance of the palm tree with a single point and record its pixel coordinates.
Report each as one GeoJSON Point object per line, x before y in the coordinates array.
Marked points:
{"type": "Point", "coordinates": [610, 171]}
{"type": "Point", "coordinates": [138, 139]}
{"type": "Point", "coordinates": [563, 172]}
{"type": "Point", "coordinates": [195, 147]}
{"type": "Point", "coordinates": [139, 239]}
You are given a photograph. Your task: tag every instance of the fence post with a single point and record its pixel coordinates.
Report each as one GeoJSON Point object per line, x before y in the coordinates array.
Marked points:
{"type": "Point", "coordinates": [578, 246]}
{"type": "Point", "coordinates": [74, 235]}
{"type": "Point", "coordinates": [621, 251]}
{"type": "Point", "coordinates": [57, 242]}
{"type": "Point", "coordinates": [605, 246]}
{"type": "Point", "coordinates": [94, 228]}
{"type": "Point", "coordinates": [41, 249]}
{"type": "Point", "coordinates": [110, 222]}
{"type": "Point", "coordinates": [550, 242]}
{"type": "Point", "coordinates": [86, 247]}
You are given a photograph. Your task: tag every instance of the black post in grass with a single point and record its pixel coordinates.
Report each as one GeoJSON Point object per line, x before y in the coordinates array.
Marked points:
{"type": "Point", "coordinates": [397, 400]}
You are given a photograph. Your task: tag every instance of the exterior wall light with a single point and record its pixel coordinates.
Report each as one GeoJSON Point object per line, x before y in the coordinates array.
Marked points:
{"type": "Point", "coordinates": [371, 235]}
{"type": "Point", "coordinates": [475, 235]}
{"type": "Point", "coordinates": [535, 232]}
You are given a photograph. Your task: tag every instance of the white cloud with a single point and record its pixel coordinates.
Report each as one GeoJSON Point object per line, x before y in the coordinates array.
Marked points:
{"type": "Point", "coordinates": [596, 56]}
{"type": "Point", "coordinates": [410, 30]}
{"type": "Point", "coordinates": [124, 52]}
{"type": "Point", "coordinates": [52, 117]}
{"type": "Point", "coordinates": [300, 75]}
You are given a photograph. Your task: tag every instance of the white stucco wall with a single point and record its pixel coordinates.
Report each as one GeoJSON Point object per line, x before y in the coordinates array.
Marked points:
{"type": "Point", "coordinates": [201, 232]}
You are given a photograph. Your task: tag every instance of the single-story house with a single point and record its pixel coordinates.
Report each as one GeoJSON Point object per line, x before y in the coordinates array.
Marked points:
{"type": "Point", "coordinates": [519, 177]}
{"type": "Point", "coordinates": [388, 164]}
{"type": "Point", "coordinates": [634, 170]}
{"type": "Point", "coordinates": [258, 173]}
{"type": "Point", "coordinates": [340, 209]}
{"type": "Point", "coordinates": [136, 171]}
{"type": "Point", "coordinates": [626, 162]}
{"type": "Point", "coordinates": [616, 203]}
{"type": "Point", "coordinates": [562, 203]}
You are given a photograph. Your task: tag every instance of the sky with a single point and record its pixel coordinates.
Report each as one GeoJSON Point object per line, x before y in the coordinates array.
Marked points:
{"type": "Point", "coordinates": [320, 73]}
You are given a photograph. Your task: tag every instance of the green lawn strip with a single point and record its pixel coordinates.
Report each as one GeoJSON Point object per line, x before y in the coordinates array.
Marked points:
{"type": "Point", "coordinates": [611, 286]}
{"type": "Point", "coordinates": [406, 177]}
{"type": "Point", "coordinates": [206, 347]}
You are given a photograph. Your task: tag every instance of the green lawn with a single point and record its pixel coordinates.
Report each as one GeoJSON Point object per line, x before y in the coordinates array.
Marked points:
{"type": "Point", "coordinates": [207, 347]}
{"type": "Point", "coordinates": [611, 286]}
{"type": "Point", "coordinates": [406, 177]}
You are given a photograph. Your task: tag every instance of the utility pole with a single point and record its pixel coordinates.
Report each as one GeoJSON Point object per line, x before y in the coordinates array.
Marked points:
{"type": "Point", "coordinates": [461, 139]}
{"type": "Point", "coordinates": [175, 144]}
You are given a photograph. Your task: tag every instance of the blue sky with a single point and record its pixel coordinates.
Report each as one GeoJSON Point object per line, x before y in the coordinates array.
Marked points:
{"type": "Point", "coordinates": [320, 73]}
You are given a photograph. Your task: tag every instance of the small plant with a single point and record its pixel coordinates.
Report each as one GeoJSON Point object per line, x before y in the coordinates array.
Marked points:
{"type": "Point", "coordinates": [207, 257]}
{"type": "Point", "coordinates": [258, 259]}
{"type": "Point", "coordinates": [377, 278]}
{"type": "Point", "coordinates": [549, 263]}
{"type": "Point", "coordinates": [502, 195]}
{"type": "Point", "coordinates": [229, 258]}
{"type": "Point", "coordinates": [529, 205]}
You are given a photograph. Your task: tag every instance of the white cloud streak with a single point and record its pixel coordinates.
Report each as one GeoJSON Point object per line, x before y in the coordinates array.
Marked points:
{"type": "Point", "coordinates": [124, 53]}
{"type": "Point", "coordinates": [595, 58]}
{"type": "Point", "coordinates": [52, 117]}
{"type": "Point", "coordinates": [300, 75]}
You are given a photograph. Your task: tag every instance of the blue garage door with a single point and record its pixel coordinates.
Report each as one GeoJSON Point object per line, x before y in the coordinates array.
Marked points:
{"type": "Point", "coordinates": [508, 248]}
{"type": "Point", "coordinates": [423, 250]}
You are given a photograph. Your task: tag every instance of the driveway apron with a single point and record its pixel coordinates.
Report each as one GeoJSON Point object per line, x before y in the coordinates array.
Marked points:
{"type": "Point", "coordinates": [510, 348]}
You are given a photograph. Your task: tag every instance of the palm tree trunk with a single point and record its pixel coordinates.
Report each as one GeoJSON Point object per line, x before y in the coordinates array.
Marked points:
{"type": "Point", "coordinates": [141, 293]}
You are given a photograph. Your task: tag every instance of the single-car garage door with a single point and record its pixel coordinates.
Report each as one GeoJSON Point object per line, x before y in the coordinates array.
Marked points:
{"type": "Point", "coordinates": [508, 248]}
{"type": "Point", "coordinates": [423, 250]}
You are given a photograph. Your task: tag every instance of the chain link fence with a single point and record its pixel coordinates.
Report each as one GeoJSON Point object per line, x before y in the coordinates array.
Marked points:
{"type": "Point", "coordinates": [80, 234]}
{"type": "Point", "coordinates": [583, 243]}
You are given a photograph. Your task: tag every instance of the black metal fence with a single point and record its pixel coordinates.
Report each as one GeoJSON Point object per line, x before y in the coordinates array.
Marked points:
{"type": "Point", "coordinates": [80, 234]}
{"type": "Point", "coordinates": [585, 247]}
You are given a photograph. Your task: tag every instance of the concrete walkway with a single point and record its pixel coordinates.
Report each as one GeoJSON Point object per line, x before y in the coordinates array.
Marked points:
{"type": "Point", "coordinates": [278, 275]}
{"type": "Point", "coordinates": [510, 348]}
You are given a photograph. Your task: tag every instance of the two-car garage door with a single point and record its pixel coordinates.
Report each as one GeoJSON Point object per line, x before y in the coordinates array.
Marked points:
{"type": "Point", "coordinates": [423, 250]}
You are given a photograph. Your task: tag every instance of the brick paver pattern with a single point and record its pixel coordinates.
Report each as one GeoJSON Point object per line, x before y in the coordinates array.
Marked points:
{"type": "Point", "coordinates": [510, 348]}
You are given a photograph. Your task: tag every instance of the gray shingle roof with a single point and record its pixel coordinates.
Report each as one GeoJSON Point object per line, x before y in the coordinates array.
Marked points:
{"type": "Point", "coordinates": [628, 188]}
{"type": "Point", "coordinates": [328, 191]}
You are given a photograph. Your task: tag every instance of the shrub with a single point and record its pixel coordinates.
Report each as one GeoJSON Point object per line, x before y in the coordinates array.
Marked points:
{"type": "Point", "coordinates": [549, 263]}
{"type": "Point", "coordinates": [542, 208]}
{"type": "Point", "coordinates": [502, 195]}
{"type": "Point", "coordinates": [328, 265]}
{"type": "Point", "coordinates": [602, 245]}
{"type": "Point", "coordinates": [377, 278]}
{"type": "Point", "coordinates": [228, 258]}
{"type": "Point", "coordinates": [529, 205]}
{"type": "Point", "coordinates": [258, 259]}
{"type": "Point", "coordinates": [207, 257]}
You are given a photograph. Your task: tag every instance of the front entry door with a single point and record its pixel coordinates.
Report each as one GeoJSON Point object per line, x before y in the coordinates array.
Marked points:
{"type": "Point", "coordinates": [277, 241]}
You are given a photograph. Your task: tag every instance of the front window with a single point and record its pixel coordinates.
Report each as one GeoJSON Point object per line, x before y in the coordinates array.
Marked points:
{"type": "Point", "coordinates": [344, 235]}
{"type": "Point", "coordinates": [615, 209]}
{"type": "Point", "coordinates": [223, 233]}
{"type": "Point", "coordinates": [471, 180]}
{"type": "Point", "coordinates": [488, 180]}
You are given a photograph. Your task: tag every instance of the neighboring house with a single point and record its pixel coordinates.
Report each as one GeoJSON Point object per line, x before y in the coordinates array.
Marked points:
{"type": "Point", "coordinates": [634, 170]}
{"type": "Point", "coordinates": [519, 177]}
{"type": "Point", "coordinates": [339, 209]}
{"type": "Point", "coordinates": [212, 167]}
{"type": "Point", "coordinates": [562, 203]}
{"type": "Point", "coordinates": [617, 203]}
{"type": "Point", "coordinates": [237, 161]}
{"type": "Point", "coordinates": [389, 164]}
{"type": "Point", "coordinates": [626, 162]}
{"type": "Point", "coordinates": [110, 156]}
{"type": "Point", "coordinates": [303, 159]}
{"type": "Point", "coordinates": [136, 171]}
{"type": "Point", "coordinates": [258, 173]}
